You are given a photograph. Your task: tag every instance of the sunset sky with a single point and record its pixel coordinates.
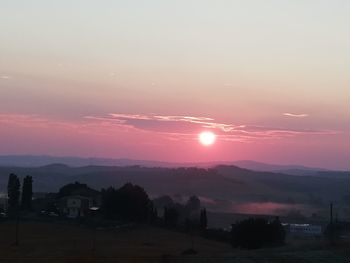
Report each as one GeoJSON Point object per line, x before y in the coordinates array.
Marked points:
{"type": "Point", "coordinates": [141, 79]}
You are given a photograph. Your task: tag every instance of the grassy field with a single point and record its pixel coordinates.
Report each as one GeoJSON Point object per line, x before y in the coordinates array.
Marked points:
{"type": "Point", "coordinates": [45, 242]}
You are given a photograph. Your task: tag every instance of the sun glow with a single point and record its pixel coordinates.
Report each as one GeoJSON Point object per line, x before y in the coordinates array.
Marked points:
{"type": "Point", "coordinates": [207, 138]}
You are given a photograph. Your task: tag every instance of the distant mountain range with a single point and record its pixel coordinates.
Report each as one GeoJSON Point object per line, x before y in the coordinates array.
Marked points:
{"type": "Point", "coordinates": [43, 160]}
{"type": "Point", "coordinates": [286, 169]}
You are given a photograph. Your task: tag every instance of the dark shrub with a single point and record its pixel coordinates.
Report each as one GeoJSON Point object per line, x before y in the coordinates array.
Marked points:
{"type": "Point", "coordinates": [129, 202]}
{"type": "Point", "coordinates": [255, 233]}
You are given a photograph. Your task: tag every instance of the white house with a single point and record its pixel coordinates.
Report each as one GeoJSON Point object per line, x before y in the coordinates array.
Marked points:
{"type": "Point", "coordinates": [76, 206]}
{"type": "Point", "coordinates": [305, 229]}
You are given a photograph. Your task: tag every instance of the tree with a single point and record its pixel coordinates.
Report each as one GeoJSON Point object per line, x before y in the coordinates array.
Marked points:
{"type": "Point", "coordinates": [171, 216]}
{"type": "Point", "coordinates": [333, 231]}
{"type": "Point", "coordinates": [129, 202]}
{"type": "Point", "coordinates": [152, 213]}
{"type": "Point", "coordinates": [27, 193]}
{"type": "Point", "coordinates": [13, 192]}
{"type": "Point", "coordinates": [76, 189]}
{"type": "Point", "coordinates": [278, 233]}
{"type": "Point", "coordinates": [254, 233]}
{"type": "Point", "coordinates": [203, 220]}
{"type": "Point", "coordinates": [193, 204]}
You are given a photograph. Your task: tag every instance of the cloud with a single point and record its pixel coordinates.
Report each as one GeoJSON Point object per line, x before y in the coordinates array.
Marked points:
{"type": "Point", "coordinates": [302, 115]}
{"type": "Point", "coordinates": [204, 122]}
{"type": "Point", "coordinates": [35, 122]}
{"type": "Point", "coordinates": [185, 127]}
{"type": "Point", "coordinates": [169, 127]}
{"type": "Point", "coordinates": [23, 120]}
{"type": "Point", "coordinates": [5, 77]}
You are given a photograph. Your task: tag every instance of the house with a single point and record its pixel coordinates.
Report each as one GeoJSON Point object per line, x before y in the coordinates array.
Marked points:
{"type": "Point", "coordinates": [76, 200]}
{"type": "Point", "coordinates": [304, 230]}
{"type": "Point", "coordinates": [75, 206]}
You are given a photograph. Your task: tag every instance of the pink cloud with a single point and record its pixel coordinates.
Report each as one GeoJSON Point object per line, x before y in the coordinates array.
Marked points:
{"type": "Point", "coordinates": [187, 127]}
{"type": "Point", "coordinates": [148, 136]}
{"type": "Point", "coordinates": [167, 126]}
{"type": "Point", "coordinates": [301, 115]}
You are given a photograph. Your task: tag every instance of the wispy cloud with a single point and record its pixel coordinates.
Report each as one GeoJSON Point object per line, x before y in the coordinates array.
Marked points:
{"type": "Point", "coordinates": [23, 120]}
{"type": "Point", "coordinates": [170, 127]}
{"type": "Point", "coordinates": [182, 127]}
{"type": "Point", "coordinates": [204, 122]}
{"type": "Point", "coordinates": [35, 122]}
{"type": "Point", "coordinates": [301, 115]}
{"type": "Point", "coordinates": [5, 77]}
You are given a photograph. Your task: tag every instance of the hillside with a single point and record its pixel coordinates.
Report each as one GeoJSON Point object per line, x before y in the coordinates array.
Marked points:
{"type": "Point", "coordinates": [222, 189]}
{"type": "Point", "coordinates": [43, 160]}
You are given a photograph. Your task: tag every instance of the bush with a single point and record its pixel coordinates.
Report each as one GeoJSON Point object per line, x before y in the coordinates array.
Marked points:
{"type": "Point", "coordinates": [255, 233]}
{"type": "Point", "coordinates": [129, 202]}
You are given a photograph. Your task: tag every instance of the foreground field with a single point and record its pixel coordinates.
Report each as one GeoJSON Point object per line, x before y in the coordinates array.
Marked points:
{"type": "Point", "coordinates": [44, 242]}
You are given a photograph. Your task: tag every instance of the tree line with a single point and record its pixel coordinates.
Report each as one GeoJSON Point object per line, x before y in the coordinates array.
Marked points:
{"type": "Point", "coordinates": [131, 203]}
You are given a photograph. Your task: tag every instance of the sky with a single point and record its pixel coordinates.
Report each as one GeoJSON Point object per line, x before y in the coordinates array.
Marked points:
{"type": "Point", "coordinates": [141, 79]}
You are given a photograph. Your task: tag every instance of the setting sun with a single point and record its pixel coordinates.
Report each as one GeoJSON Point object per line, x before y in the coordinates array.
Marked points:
{"type": "Point", "coordinates": [207, 138]}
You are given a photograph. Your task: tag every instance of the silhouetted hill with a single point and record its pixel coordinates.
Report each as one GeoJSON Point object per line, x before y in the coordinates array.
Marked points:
{"type": "Point", "coordinates": [287, 169]}
{"type": "Point", "coordinates": [44, 160]}
{"type": "Point", "coordinates": [334, 174]}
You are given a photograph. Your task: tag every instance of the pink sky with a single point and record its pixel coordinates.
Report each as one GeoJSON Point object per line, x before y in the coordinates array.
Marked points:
{"type": "Point", "coordinates": [170, 138]}
{"type": "Point", "coordinates": [126, 79]}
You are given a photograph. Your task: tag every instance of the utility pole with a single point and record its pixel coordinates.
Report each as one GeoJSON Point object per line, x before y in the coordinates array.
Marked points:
{"type": "Point", "coordinates": [331, 213]}
{"type": "Point", "coordinates": [93, 215]}
{"type": "Point", "coordinates": [331, 226]}
{"type": "Point", "coordinates": [17, 229]}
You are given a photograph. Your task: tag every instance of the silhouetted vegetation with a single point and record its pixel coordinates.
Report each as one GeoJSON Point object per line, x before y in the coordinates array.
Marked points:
{"type": "Point", "coordinates": [255, 233]}
{"type": "Point", "coordinates": [193, 204]}
{"type": "Point", "coordinates": [129, 202]}
{"type": "Point", "coordinates": [27, 193]}
{"type": "Point", "coordinates": [336, 230]}
{"type": "Point", "coordinates": [13, 192]}
{"type": "Point", "coordinates": [179, 215]}
{"type": "Point", "coordinates": [203, 220]}
{"type": "Point", "coordinates": [76, 189]}
{"type": "Point", "coordinates": [218, 234]}
{"type": "Point", "coordinates": [171, 217]}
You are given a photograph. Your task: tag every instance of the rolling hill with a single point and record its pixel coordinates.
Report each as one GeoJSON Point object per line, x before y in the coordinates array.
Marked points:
{"type": "Point", "coordinates": [222, 188]}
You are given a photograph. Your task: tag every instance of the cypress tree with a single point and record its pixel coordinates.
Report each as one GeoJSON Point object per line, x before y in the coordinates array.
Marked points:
{"type": "Point", "coordinates": [203, 219]}
{"type": "Point", "coordinates": [13, 192]}
{"type": "Point", "coordinates": [27, 193]}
